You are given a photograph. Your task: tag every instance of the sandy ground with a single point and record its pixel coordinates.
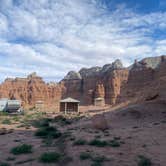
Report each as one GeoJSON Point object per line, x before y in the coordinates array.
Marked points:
{"type": "Point", "coordinates": [141, 129]}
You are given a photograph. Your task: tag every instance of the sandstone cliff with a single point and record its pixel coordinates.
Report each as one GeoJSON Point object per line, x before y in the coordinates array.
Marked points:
{"type": "Point", "coordinates": [30, 90]}
{"type": "Point", "coordinates": [141, 81]}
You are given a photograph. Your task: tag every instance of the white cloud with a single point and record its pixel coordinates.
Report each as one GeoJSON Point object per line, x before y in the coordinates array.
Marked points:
{"type": "Point", "coordinates": [58, 36]}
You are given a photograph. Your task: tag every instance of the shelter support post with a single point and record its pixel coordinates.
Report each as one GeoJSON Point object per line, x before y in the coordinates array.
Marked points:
{"type": "Point", "coordinates": [65, 108]}
{"type": "Point", "coordinates": [78, 108]}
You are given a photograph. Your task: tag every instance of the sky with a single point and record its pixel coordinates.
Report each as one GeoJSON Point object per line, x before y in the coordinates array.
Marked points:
{"type": "Point", "coordinates": [52, 37]}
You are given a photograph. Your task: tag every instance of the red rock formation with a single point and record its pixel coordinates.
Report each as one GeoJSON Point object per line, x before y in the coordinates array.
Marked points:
{"type": "Point", "coordinates": [100, 90]}
{"type": "Point", "coordinates": [31, 89]}
{"type": "Point", "coordinates": [143, 80]}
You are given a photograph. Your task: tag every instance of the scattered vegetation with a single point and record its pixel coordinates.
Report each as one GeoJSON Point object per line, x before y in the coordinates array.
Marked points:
{"type": "Point", "coordinates": [102, 143]}
{"type": "Point", "coordinates": [62, 120]}
{"type": "Point", "coordinates": [21, 149]}
{"type": "Point", "coordinates": [80, 142]}
{"type": "Point", "coordinates": [3, 113]}
{"type": "Point", "coordinates": [6, 121]}
{"type": "Point", "coordinates": [4, 164]}
{"type": "Point", "coordinates": [98, 160]}
{"type": "Point", "coordinates": [85, 156]}
{"type": "Point", "coordinates": [10, 159]}
{"type": "Point", "coordinates": [24, 161]}
{"type": "Point", "coordinates": [48, 132]}
{"type": "Point", "coordinates": [98, 143]}
{"type": "Point", "coordinates": [144, 161]}
{"type": "Point", "coordinates": [16, 118]}
{"type": "Point", "coordinates": [50, 157]}
{"type": "Point", "coordinates": [114, 143]}
{"type": "Point", "coordinates": [44, 122]}
{"type": "Point", "coordinates": [95, 158]}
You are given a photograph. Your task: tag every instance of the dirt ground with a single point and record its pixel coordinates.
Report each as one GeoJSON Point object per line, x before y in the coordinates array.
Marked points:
{"type": "Point", "coordinates": [140, 130]}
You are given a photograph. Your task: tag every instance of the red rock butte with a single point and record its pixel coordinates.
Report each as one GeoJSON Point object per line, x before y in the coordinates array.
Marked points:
{"type": "Point", "coordinates": [144, 80]}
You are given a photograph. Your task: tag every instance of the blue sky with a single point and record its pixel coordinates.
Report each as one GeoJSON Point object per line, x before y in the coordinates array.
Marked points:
{"type": "Point", "coordinates": [52, 37]}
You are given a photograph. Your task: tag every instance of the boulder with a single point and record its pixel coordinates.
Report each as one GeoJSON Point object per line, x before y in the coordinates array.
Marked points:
{"type": "Point", "coordinates": [99, 122]}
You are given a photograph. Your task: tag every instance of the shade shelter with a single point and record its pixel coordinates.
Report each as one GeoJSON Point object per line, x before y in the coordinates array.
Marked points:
{"type": "Point", "coordinates": [99, 102]}
{"type": "Point", "coordinates": [39, 104]}
{"type": "Point", "coordinates": [69, 105]}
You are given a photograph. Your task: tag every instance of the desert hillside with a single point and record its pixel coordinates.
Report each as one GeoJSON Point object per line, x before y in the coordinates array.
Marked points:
{"type": "Point", "coordinates": [129, 136]}
{"type": "Point", "coordinates": [128, 131]}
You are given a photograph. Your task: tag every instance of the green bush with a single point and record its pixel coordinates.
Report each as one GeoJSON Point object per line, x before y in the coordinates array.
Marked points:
{"type": "Point", "coordinates": [50, 157]}
{"type": "Point", "coordinates": [6, 121]}
{"type": "Point", "coordinates": [48, 132]}
{"type": "Point", "coordinates": [80, 142]}
{"type": "Point", "coordinates": [85, 155]}
{"type": "Point", "coordinates": [143, 161]}
{"type": "Point", "coordinates": [96, 164]}
{"type": "Point", "coordinates": [98, 160]}
{"type": "Point", "coordinates": [42, 123]}
{"type": "Point", "coordinates": [22, 149]}
{"type": "Point", "coordinates": [4, 164]}
{"type": "Point", "coordinates": [10, 159]}
{"type": "Point", "coordinates": [24, 161]}
{"type": "Point", "coordinates": [114, 143]}
{"type": "Point", "coordinates": [62, 120]}
{"type": "Point", "coordinates": [3, 113]}
{"type": "Point", "coordinates": [98, 143]}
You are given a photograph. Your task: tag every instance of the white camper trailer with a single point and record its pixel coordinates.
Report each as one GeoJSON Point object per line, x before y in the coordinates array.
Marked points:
{"type": "Point", "coordinates": [3, 104]}
{"type": "Point", "coordinates": [13, 105]}
{"type": "Point", "coordinates": [10, 105]}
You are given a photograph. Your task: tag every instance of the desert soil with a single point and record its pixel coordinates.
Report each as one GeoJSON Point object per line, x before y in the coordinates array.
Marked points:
{"type": "Point", "coordinates": [139, 129]}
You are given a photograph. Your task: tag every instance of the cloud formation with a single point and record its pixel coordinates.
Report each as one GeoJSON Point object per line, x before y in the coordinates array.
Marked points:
{"type": "Point", "coordinates": [52, 37]}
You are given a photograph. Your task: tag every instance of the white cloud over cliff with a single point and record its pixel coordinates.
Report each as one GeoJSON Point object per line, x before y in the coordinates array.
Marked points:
{"type": "Point", "coordinates": [52, 37]}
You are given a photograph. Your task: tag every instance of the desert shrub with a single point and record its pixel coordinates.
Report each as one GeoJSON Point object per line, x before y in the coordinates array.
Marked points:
{"type": "Point", "coordinates": [96, 164]}
{"type": "Point", "coordinates": [80, 142]}
{"type": "Point", "coordinates": [48, 132]}
{"type": "Point", "coordinates": [72, 138]}
{"type": "Point", "coordinates": [114, 143]}
{"type": "Point", "coordinates": [50, 157]}
{"type": "Point", "coordinates": [98, 136]}
{"type": "Point", "coordinates": [85, 155]}
{"type": "Point", "coordinates": [41, 122]}
{"type": "Point", "coordinates": [98, 143]}
{"type": "Point", "coordinates": [99, 159]}
{"type": "Point", "coordinates": [144, 161]}
{"type": "Point", "coordinates": [24, 161]}
{"type": "Point", "coordinates": [3, 113]}
{"type": "Point", "coordinates": [62, 120]}
{"type": "Point", "coordinates": [4, 164]}
{"type": "Point", "coordinates": [10, 159]}
{"type": "Point", "coordinates": [16, 118]}
{"type": "Point", "coordinates": [22, 149]}
{"type": "Point", "coordinates": [65, 160]}
{"type": "Point", "coordinates": [6, 121]}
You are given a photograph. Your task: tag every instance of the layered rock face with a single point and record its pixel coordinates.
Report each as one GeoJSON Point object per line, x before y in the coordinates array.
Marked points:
{"type": "Point", "coordinates": [143, 80]}
{"type": "Point", "coordinates": [146, 79]}
{"type": "Point", "coordinates": [117, 84]}
{"type": "Point", "coordinates": [105, 82]}
{"type": "Point", "coordinates": [30, 90]}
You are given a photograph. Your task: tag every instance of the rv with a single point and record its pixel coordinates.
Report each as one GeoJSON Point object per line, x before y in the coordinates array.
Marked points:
{"type": "Point", "coordinates": [10, 106]}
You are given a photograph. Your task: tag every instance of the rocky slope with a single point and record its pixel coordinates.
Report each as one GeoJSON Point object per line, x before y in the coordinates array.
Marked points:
{"type": "Point", "coordinates": [144, 80]}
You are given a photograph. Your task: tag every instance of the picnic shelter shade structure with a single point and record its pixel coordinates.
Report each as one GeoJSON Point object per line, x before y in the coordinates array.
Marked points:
{"type": "Point", "coordinates": [69, 105]}
{"type": "Point", "coordinates": [99, 101]}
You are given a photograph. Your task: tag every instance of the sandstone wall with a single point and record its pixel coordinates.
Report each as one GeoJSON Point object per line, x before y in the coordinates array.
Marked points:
{"type": "Point", "coordinates": [112, 82]}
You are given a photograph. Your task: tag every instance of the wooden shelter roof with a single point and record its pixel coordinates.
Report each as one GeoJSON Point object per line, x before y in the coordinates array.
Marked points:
{"type": "Point", "coordinates": [69, 100]}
